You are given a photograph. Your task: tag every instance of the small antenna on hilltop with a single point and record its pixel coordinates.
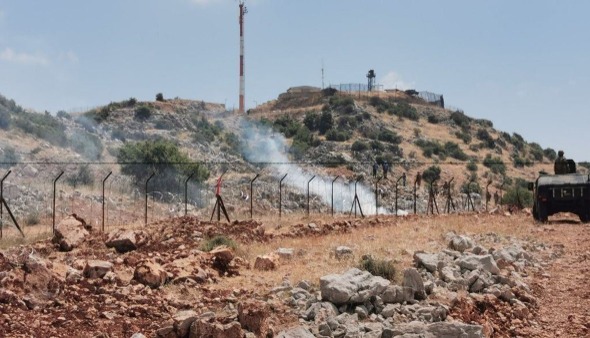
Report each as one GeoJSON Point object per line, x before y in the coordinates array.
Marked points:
{"type": "Point", "coordinates": [322, 73]}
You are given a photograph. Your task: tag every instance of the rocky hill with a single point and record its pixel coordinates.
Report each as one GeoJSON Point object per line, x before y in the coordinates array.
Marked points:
{"type": "Point", "coordinates": [310, 135]}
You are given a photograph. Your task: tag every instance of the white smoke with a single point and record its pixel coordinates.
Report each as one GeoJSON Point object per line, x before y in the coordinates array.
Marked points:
{"type": "Point", "coordinates": [262, 145]}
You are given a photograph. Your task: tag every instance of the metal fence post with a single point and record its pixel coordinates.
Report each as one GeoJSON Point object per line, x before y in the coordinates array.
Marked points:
{"type": "Point", "coordinates": [54, 185]}
{"type": "Point", "coordinates": [2, 206]}
{"type": "Point", "coordinates": [334, 180]}
{"type": "Point", "coordinates": [146, 197]}
{"type": "Point", "coordinates": [186, 192]}
{"type": "Point", "coordinates": [311, 179]}
{"type": "Point", "coordinates": [402, 177]}
{"type": "Point", "coordinates": [103, 183]}
{"type": "Point", "coordinates": [252, 194]}
{"type": "Point", "coordinates": [281, 195]}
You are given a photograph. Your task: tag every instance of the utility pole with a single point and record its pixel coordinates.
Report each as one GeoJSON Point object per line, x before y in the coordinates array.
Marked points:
{"type": "Point", "coordinates": [243, 11]}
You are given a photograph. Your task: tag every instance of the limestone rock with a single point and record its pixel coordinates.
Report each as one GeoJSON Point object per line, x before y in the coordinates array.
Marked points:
{"type": "Point", "coordinates": [97, 269]}
{"type": "Point", "coordinates": [473, 262]}
{"type": "Point", "coordinates": [352, 287]}
{"type": "Point", "coordinates": [150, 274]}
{"type": "Point", "coordinates": [266, 262]}
{"type": "Point", "coordinates": [413, 280]}
{"type": "Point", "coordinates": [342, 252]}
{"type": "Point", "coordinates": [70, 233]}
{"type": "Point", "coordinates": [253, 316]}
{"type": "Point", "coordinates": [460, 243]}
{"type": "Point", "coordinates": [183, 321]}
{"type": "Point", "coordinates": [297, 332]}
{"type": "Point", "coordinates": [126, 240]}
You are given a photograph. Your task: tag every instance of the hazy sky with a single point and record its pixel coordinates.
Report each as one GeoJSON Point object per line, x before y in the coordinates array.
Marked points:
{"type": "Point", "coordinates": [522, 65]}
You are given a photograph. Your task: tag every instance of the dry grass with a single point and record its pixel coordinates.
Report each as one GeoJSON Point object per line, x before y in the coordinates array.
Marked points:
{"type": "Point", "coordinates": [392, 239]}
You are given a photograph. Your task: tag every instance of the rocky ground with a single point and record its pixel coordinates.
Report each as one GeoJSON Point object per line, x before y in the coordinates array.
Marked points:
{"type": "Point", "coordinates": [473, 275]}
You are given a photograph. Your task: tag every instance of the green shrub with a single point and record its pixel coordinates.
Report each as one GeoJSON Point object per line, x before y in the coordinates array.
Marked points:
{"type": "Point", "coordinates": [32, 218]}
{"type": "Point", "coordinates": [378, 267]}
{"type": "Point", "coordinates": [160, 97]}
{"type": "Point", "coordinates": [5, 118]}
{"type": "Point", "coordinates": [389, 137]}
{"type": "Point", "coordinates": [347, 123]}
{"type": "Point", "coordinates": [338, 135]}
{"type": "Point", "coordinates": [464, 135]}
{"type": "Point", "coordinates": [431, 174]}
{"type": "Point", "coordinates": [82, 177]}
{"type": "Point", "coordinates": [141, 159]}
{"type": "Point", "coordinates": [325, 122]}
{"type": "Point", "coordinates": [518, 196]}
{"type": "Point", "coordinates": [9, 157]}
{"type": "Point", "coordinates": [454, 151]}
{"type": "Point", "coordinates": [143, 113]}
{"type": "Point", "coordinates": [471, 166]}
{"type": "Point", "coordinates": [42, 126]}
{"type": "Point", "coordinates": [495, 164]}
{"type": "Point", "coordinates": [404, 110]}
{"type": "Point", "coordinates": [380, 104]}
{"type": "Point", "coordinates": [433, 119]}
{"type": "Point", "coordinates": [87, 144]}
{"type": "Point", "coordinates": [311, 120]}
{"type": "Point", "coordinates": [343, 104]}
{"type": "Point", "coordinates": [211, 243]}
{"type": "Point", "coordinates": [550, 154]}
{"type": "Point", "coordinates": [377, 146]}
{"type": "Point", "coordinates": [460, 119]}
{"type": "Point", "coordinates": [430, 148]}
{"type": "Point", "coordinates": [63, 115]}
{"type": "Point", "coordinates": [359, 146]}
{"type": "Point", "coordinates": [205, 132]}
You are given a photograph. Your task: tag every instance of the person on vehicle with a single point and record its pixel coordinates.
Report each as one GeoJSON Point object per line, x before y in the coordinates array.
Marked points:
{"type": "Point", "coordinates": [560, 166]}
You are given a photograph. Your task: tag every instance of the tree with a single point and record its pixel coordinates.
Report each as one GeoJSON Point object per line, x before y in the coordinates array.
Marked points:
{"type": "Point", "coordinates": [326, 122]}
{"type": "Point", "coordinates": [160, 97]}
{"type": "Point", "coordinates": [431, 174]}
{"type": "Point", "coordinates": [141, 159]}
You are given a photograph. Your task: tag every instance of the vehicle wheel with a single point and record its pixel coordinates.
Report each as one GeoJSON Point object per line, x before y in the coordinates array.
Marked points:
{"type": "Point", "coordinates": [542, 213]}
{"type": "Point", "coordinates": [584, 218]}
{"type": "Point", "coordinates": [535, 215]}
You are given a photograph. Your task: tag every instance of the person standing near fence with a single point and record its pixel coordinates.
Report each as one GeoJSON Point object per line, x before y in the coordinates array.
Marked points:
{"type": "Point", "coordinates": [375, 168]}
{"type": "Point", "coordinates": [385, 169]}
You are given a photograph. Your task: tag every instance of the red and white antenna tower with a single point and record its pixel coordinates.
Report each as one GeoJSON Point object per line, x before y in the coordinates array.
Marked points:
{"type": "Point", "coordinates": [243, 11]}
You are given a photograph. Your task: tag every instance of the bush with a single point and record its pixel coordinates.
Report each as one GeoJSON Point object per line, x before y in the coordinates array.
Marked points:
{"type": "Point", "coordinates": [143, 113]}
{"type": "Point", "coordinates": [359, 146]}
{"type": "Point", "coordinates": [205, 131]}
{"type": "Point", "coordinates": [87, 145]}
{"type": "Point", "coordinates": [389, 137]}
{"type": "Point", "coordinates": [378, 267]}
{"type": "Point", "coordinates": [9, 157]}
{"type": "Point", "coordinates": [32, 218]}
{"type": "Point", "coordinates": [325, 122]}
{"type": "Point", "coordinates": [536, 151]}
{"type": "Point", "coordinates": [82, 177]}
{"type": "Point", "coordinates": [431, 174]}
{"type": "Point", "coordinates": [160, 97]}
{"type": "Point", "coordinates": [471, 166]}
{"type": "Point", "coordinates": [212, 243]}
{"type": "Point", "coordinates": [338, 135]}
{"type": "Point", "coordinates": [404, 110]}
{"type": "Point", "coordinates": [63, 115]}
{"type": "Point", "coordinates": [453, 150]}
{"type": "Point", "coordinates": [4, 118]}
{"type": "Point", "coordinates": [460, 119]}
{"type": "Point", "coordinates": [433, 119]}
{"type": "Point", "coordinates": [495, 164]}
{"type": "Point", "coordinates": [464, 135]}
{"type": "Point", "coordinates": [550, 154]}
{"type": "Point", "coordinates": [380, 104]}
{"type": "Point", "coordinates": [343, 104]}
{"type": "Point", "coordinates": [518, 196]}
{"type": "Point", "coordinates": [311, 120]}
{"type": "Point", "coordinates": [42, 126]}
{"type": "Point", "coordinates": [430, 148]}
{"type": "Point", "coordinates": [347, 123]}
{"type": "Point", "coordinates": [141, 159]}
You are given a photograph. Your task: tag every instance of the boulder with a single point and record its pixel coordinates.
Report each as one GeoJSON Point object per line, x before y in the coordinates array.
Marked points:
{"type": "Point", "coordinates": [285, 253]}
{"type": "Point", "coordinates": [426, 260]}
{"type": "Point", "coordinates": [342, 252]}
{"type": "Point", "coordinates": [352, 287]}
{"type": "Point", "coordinates": [70, 233]}
{"type": "Point", "coordinates": [97, 269]}
{"type": "Point", "coordinates": [397, 294]}
{"type": "Point", "coordinates": [183, 321]}
{"type": "Point", "coordinates": [253, 316]}
{"type": "Point", "coordinates": [203, 328]}
{"type": "Point", "coordinates": [473, 262]}
{"type": "Point", "coordinates": [126, 240]}
{"type": "Point", "coordinates": [222, 255]}
{"type": "Point", "coordinates": [297, 332]}
{"type": "Point", "coordinates": [413, 280]}
{"type": "Point", "coordinates": [435, 330]}
{"type": "Point", "coordinates": [150, 274]}
{"type": "Point", "coordinates": [460, 243]}
{"type": "Point", "coordinates": [266, 262]}
{"type": "Point", "coordinates": [73, 275]}
{"type": "Point", "coordinates": [329, 309]}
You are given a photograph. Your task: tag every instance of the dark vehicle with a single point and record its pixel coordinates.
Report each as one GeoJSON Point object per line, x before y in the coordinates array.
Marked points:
{"type": "Point", "coordinates": [561, 193]}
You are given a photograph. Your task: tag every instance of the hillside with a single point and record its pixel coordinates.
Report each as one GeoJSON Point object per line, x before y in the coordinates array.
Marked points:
{"type": "Point", "coordinates": [304, 133]}
{"type": "Point", "coordinates": [131, 266]}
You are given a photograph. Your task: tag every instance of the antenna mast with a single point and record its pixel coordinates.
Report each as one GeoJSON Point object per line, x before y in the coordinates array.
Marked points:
{"type": "Point", "coordinates": [243, 11]}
